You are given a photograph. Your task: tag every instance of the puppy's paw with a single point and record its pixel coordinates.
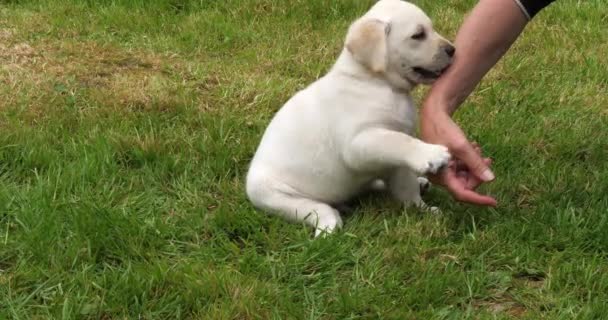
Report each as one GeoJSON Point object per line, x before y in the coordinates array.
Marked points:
{"type": "Point", "coordinates": [424, 184]}
{"type": "Point", "coordinates": [431, 158]}
{"type": "Point", "coordinates": [433, 210]}
{"type": "Point", "coordinates": [430, 209]}
{"type": "Point", "coordinates": [422, 206]}
{"type": "Point", "coordinates": [327, 225]}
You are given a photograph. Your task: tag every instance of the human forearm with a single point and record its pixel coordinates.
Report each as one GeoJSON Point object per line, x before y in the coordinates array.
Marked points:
{"type": "Point", "coordinates": [485, 36]}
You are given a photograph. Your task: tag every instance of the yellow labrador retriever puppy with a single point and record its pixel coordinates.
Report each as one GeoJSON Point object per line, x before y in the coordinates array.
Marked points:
{"type": "Point", "coordinates": [354, 126]}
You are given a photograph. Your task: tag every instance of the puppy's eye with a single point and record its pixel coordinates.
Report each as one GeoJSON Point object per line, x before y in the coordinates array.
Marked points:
{"type": "Point", "coordinates": [419, 36]}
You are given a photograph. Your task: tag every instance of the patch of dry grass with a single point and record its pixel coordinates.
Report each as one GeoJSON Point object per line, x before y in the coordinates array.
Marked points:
{"type": "Point", "coordinates": [109, 76]}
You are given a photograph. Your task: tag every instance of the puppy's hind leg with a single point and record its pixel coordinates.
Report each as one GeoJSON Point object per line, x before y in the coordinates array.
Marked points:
{"type": "Point", "coordinates": [322, 217]}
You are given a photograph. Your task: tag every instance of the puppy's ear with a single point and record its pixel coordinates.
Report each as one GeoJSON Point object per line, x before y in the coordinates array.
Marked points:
{"type": "Point", "coordinates": [366, 41]}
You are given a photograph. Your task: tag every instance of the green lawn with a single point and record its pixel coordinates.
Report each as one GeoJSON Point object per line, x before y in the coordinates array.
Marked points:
{"type": "Point", "coordinates": [126, 128]}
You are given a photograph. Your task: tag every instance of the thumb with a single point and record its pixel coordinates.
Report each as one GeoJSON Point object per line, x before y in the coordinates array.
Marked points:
{"type": "Point", "coordinates": [474, 162]}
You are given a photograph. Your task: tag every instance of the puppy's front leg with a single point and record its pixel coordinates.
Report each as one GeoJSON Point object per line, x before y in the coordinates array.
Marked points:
{"type": "Point", "coordinates": [406, 187]}
{"type": "Point", "coordinates": [379, 149]}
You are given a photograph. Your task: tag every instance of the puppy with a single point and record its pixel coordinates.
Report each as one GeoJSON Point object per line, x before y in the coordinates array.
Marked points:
{"type": "Point", "coordinates": [353, 127]}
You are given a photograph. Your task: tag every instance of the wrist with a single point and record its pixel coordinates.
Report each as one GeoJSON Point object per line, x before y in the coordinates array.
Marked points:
{"type": "Point", "coordinates": [440, 101]}
{"type": "Point", "coordinates": [433, 107]}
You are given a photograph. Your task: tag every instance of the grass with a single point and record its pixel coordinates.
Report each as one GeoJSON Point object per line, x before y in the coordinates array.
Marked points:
{"type": "Point", "coordinates": [126, 128]}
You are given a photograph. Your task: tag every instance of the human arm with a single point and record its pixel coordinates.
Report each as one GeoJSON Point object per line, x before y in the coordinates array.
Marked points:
{"type": "Point", "coordinates": [484, 37]}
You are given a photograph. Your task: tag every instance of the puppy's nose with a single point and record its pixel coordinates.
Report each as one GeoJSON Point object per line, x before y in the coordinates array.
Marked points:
{"type": "Point", "coordinates": [450, 50]}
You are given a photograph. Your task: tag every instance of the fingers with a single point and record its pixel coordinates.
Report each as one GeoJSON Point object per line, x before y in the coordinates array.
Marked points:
{"type": "Point", "coordinates": [470, 155]}
{"type": "Point", "coordinates": [471, 181]}
{"type": "Point", "coordinates": [476, 147]}
{"type": "Point", "coordinates": [470, 196]}
{"type": "Point", "coordinates": [462, 185]}
{"type": "Point", "coordinates": [461, 166]}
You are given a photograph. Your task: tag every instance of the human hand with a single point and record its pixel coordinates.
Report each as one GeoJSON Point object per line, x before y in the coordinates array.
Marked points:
{"type": "Point", "coordinates": [468, 169]}
{"type": "Point", "coordinates": [458, 179]}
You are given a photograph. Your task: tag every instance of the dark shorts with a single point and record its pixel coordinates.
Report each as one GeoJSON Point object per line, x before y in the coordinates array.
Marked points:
{"type": "Point", "coordinates": [532, 7]}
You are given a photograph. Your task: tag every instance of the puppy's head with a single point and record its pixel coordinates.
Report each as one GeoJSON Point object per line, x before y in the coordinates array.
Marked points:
{"type": "Point", "coordinates": [396, 39]}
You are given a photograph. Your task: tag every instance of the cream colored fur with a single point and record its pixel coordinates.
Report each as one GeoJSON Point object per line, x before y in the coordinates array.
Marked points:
{"type": "Point", "coordinates": [355, 125]}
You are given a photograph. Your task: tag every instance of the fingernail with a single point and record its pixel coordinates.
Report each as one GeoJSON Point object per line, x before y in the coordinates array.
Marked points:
{"type": "Point", "coordinates": [487, 175]}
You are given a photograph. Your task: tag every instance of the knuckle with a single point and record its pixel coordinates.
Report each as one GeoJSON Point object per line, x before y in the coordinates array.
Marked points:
{"type": "Point", "coordinates": [460, 145]}
{"type": "Point", "coordinates": [478, 166]}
